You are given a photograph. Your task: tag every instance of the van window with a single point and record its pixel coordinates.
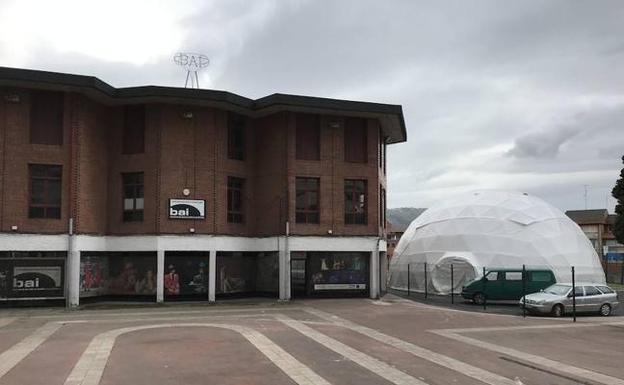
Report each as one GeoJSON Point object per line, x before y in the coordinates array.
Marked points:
{"type": "Point", "coordinates": [492, 276]}
{"type": "Point", "coordinates": [513, 276]}
{"type": "Point", "coordinates": [540, 276]}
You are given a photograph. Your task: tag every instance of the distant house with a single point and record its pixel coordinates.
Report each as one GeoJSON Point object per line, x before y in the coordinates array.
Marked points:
{"type": "Point", "coordinates": [597, 225]}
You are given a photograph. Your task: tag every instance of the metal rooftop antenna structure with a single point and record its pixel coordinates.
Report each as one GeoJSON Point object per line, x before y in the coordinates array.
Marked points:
{"type": "Point", "coordinates": [192, 62]}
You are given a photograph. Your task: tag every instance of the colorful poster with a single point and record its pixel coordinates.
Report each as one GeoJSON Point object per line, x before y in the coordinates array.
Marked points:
{"type": "Point", "coordinates": [338, 271]}
{"type": "Point", "coordinates": [235, 272]}
{"type": "Point", "coordinates": [94, 279]}
{"type": "Point", "coordinates": [132, 274]}
{"type": "Point", "coordinates": [186, 274]}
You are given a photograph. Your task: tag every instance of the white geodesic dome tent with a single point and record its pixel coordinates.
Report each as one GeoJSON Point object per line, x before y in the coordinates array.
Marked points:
{"type": "Point", "coordinates": [491, 229]}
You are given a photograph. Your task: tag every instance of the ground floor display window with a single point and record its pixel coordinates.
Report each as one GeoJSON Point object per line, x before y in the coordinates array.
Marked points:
{"type": "Point", "coordinates": [337, 272]}
{"type": "Point", "coordinates": [247, 273]}
{"type": "Point", "coordinates": [32, 275]}
{"type": "Point", "coordinates": [186, 275]}
{"type": "Point", "coordinates": [118, 274]}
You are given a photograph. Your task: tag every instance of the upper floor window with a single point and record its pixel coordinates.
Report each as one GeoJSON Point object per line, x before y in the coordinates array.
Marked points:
{"type": "Point", "coordinates": [308, 137]}
{"type": "Point", "coordinates": [236, 136]}
{"type": "Point", "coordinates": [355, 202]}
{"type": "Point", "coordinates": [134, 130]}
{"type": "Point", "coordinates": [235, 194]}
{"type": "Point", "coordinates": [133, 200]}
{"type": "Point", "coordinates": [46, 117]}
{"type": "Point", "coordinates": [307, 204]}
{"type": "Point", "coordinates": [45, 191]}
{"type": "Point", "coordinates": [355, 140]}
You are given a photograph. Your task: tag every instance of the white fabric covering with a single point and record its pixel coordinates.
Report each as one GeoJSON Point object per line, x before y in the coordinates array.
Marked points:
{"type": "Point", "coordinates": [491, 229]}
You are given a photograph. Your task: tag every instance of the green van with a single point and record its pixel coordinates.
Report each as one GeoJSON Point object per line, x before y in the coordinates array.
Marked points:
{"type": "Point", "coordinates": [506, 284]}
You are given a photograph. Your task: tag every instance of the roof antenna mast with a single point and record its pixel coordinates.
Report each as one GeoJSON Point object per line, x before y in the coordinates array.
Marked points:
{"type": "Point", "coordinates": [192, 62]}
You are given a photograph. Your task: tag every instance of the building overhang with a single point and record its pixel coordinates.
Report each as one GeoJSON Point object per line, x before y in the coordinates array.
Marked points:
{"type": "Point", "coordinates": [390, 116]}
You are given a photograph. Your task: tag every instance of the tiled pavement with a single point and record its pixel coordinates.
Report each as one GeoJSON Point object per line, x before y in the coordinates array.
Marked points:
{"type": "Point", "coordinates": [350, 341]}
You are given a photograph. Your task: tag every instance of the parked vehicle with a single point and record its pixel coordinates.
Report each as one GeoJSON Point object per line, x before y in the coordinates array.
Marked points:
{"type": "Point", "coordinates": [557, 299]}
{"type": "Point", "coordinates": [506, 284]}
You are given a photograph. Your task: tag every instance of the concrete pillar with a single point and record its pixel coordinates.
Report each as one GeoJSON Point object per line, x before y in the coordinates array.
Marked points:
{"type": "Point", "coordinates": [73, 278]}
{"type": "Point", "coordinates": [284, 270]}
{"type": "Point", "coordinates": [160, 276]}
{"type": "Point", "coordinates": [212, 275]}
{"type": "Point", "coordinates": [374, 274]}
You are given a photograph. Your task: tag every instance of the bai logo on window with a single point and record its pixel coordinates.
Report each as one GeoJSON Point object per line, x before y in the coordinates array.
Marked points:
{"type": "Point", "coordinates": [187, 209]}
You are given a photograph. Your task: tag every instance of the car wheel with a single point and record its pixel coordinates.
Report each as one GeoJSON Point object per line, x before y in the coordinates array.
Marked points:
{"type": "Point", "coordinates": [478, 298]}
{"type": "Point", "coordinates": [605, 310]}
{"type": "Point", "coordinates": [557, 311]}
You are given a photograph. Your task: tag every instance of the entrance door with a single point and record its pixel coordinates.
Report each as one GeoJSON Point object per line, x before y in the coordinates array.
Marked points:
{"type": "Point", "coordinates": [298, 277]}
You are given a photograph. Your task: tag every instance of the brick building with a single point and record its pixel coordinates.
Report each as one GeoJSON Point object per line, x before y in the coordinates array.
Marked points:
{"type": "Point", "coordinates": [164, 193]}
{"type": "Point", "coordinates": [597, 225]}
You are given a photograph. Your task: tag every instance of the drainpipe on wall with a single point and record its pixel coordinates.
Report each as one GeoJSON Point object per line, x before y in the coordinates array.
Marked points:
{"type": "Point", "coordinates": [69, 263]}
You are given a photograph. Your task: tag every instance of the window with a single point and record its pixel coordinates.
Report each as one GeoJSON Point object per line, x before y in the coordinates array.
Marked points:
{"type": "Point", "coordinates": [590, 290]}
{"type": "Point", "coordinates": [382, 207]}
{"type": "Point", "coordinates": [235, 193]}
{"type": "Point", "coordinates": [355, 202]}
{"type": "Point", "coordinates": [307, 205]}
{"type": "Point", "coordinates": [45, 191]}
{"type": "Point", "coordinates": [605, 289]}
{"type": "Point", "coordinates": [578, 291]}
{"type": "Point", "coordinates": [134, 130]}
{"type": "Point", "coordinates": [492, 276]}
{"type": "Point", "coordinates": [133, 200]}
{"type": "Point", "coordinates": [236, 136]}
{"type": "Point", "coordinates": [540, 276]}
{"type": "Point", "coordinates": [355, 140]}
{"type": "Point", "coordinates": [46, 117]}
{"type": "Point", "coordinates": [308, 137]}
{"type": "Point", "coordinates": [513, 276]}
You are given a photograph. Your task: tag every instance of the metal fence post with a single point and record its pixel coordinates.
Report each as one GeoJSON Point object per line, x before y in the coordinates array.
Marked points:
{"type": "Point", "coordinates": [408, 279]}
{"type": "Point", "coordinates": [524, 291]}
{"type": "Point", "coordinates": [452, 285]}
{"type": "Point", "coordinates": [426, 280]}
{"type": "Point", "coordinates": [573, 296]}
{"type": "Point", "coordinates": [484, 287]}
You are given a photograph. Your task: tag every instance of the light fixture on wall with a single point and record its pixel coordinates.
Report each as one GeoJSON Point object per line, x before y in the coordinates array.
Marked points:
{"type": "Point", "coordinates": [13, 228]}
{"type": "Point", "coordinates": [192, 230]}
{"type": "Point", "coordinates": [186, 192]}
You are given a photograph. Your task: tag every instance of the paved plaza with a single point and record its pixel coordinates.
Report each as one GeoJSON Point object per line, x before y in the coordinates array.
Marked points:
{"type": "Point", "coordinates": [337, 341]}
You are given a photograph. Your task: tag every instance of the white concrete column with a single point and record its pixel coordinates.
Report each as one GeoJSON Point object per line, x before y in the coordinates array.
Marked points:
{"type": "Point", "coordinates": [212, 275]}
{"type": "Point", "coordinates": [374, 274]}
{"type": "Point", "coordinates": [73, 278]}
{"type": "Point", "coordinates": [160, 275]}
{"type": "Point", "coordinates": [284, 270]}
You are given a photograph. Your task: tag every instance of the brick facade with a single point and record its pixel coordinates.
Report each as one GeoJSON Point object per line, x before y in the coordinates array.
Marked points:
{"type": "Point", "coordinates": [180, 152]}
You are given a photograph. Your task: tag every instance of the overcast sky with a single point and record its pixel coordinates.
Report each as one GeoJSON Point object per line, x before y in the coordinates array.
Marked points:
{"type": "Point", "coordinates": [524, 95]}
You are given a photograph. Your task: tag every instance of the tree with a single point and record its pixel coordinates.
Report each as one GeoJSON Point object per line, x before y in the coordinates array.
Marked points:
{"type": "Point", "coordinates": [618, 194]}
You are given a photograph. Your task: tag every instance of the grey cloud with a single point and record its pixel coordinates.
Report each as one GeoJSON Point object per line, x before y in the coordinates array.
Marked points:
{"type": "Point", "coordinates": [542, 144]}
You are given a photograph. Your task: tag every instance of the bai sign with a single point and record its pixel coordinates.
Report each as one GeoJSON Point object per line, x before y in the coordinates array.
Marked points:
{"type": "Point", "coordinates": [187, 208]}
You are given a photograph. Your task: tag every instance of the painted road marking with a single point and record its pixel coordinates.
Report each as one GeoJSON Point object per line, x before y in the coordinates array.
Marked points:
{"type": "Point", "coordinates": [5, 321]}
{"type": "Point", "coordinates": [532, 327]}
{"type": "Point", "coordinates": [536, 360]}
{"type": "Point", "coordinates": [90, 367]}
{"type": "Point", "coordinates": [374, 365]}
{"type": "Point", "coordinates": [16, 353]}
{"type": "Point", "coordinates": [420, 352]}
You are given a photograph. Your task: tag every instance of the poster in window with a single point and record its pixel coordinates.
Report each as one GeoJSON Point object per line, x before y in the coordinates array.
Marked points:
{"type": "Point", "coordinates": [94, 278]}
{"type": "Point", "coordinates": [4, 278]}
{"type": "Point", "coordinates": [132, 274]}
{"type": "Point", "coordinates": [186, 274]}
{"type": "Point", "coordinates": [36, 279]}
{"type": "Point", "coordinates": [339, 271]}
{"type": "Point", "coordinates": [235, 273]}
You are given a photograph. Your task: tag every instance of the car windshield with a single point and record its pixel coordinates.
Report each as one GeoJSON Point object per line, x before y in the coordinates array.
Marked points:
{"type": "Point", "coordinates": [558, 289]}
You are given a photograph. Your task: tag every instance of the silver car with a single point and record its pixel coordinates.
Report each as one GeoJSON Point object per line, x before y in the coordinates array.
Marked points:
{"type": "Point", "coordinates": [557, 299]}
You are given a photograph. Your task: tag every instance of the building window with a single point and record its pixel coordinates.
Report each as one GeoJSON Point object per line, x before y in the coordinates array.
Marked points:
{"type": "Point", "coordinates": [46, 117]}
{"type": "Point", "coordinates": [134, 130]}
{"type": "Point", "coordinates": [133, 201]}
{"type": "Point", "coordinates": [355, 202]}
{"type": "Point", "coordinates": [382, 207]}
{"type": "Point", "coordinates": [236, 136]}
{"type": "Point", "coordinates": [235, 193]}
{"type": "Point", "coordinates": [308, 137]}
{"type": "Point", "coordinates": [45, 191]}
{"type": "Point", "coordinates": [355, 140]}
{"type": "Point", "coordinates": [307, 205]}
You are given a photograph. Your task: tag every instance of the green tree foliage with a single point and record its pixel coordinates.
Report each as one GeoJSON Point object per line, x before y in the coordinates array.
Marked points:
{"type": "Point", "coordinates": [618, 194]}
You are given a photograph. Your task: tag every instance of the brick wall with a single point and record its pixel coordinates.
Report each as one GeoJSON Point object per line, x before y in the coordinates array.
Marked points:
{"type": "Point", "coordinates": [180, 152]}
